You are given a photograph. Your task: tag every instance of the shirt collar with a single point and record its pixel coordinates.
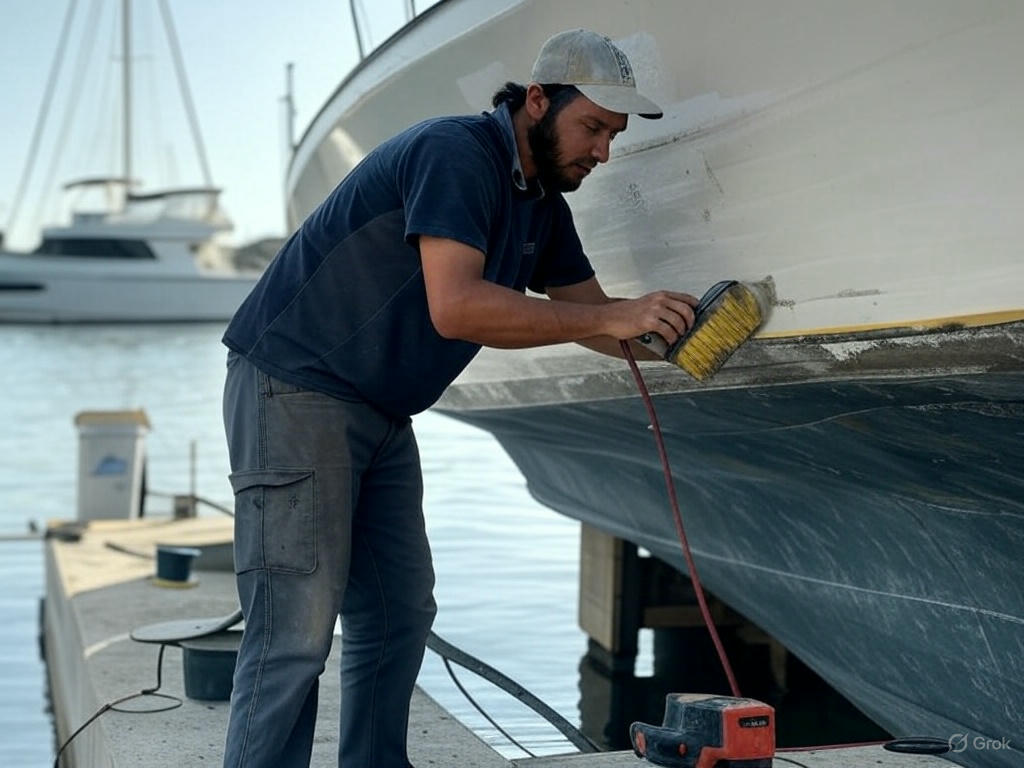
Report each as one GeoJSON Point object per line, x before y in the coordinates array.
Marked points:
{"type": "Point", "coordinates": [508, 131]}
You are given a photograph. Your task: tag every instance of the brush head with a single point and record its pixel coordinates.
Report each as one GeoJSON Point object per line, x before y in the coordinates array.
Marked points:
{"type": "Point", "coordinates": [726, 316]}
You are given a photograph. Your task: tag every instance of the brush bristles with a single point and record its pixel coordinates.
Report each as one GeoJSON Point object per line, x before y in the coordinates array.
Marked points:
{"type": "Point", "coordinates": [719, 332]}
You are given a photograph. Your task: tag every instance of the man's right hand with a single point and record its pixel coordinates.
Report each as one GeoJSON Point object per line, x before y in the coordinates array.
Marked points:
{"type": "Point", "coordinates": [667, 313]}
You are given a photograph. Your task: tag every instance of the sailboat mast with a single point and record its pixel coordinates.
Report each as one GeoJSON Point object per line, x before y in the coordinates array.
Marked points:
{"type": "Point", "coordinates": [126, 87]}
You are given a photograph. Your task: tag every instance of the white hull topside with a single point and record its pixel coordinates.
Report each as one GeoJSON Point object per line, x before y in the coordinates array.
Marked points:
{"type": "Point", "coordinates": [865, 155]}
{"type": "Point", "coordinates": [79, 290]}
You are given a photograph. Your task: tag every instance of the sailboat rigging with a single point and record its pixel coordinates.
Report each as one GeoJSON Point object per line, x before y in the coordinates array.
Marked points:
{"type": "Point", "coordinates": [144, 256]}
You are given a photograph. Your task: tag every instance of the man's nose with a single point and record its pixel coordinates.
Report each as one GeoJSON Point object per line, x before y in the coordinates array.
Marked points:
{"type": "Point", "coordinates": [602, 149]}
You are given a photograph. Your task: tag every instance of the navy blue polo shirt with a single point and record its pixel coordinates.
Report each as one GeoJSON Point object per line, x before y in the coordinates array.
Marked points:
{"type": "Point", "coordinates": [342, 308]}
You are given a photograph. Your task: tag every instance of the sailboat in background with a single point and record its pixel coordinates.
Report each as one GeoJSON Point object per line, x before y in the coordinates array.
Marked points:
{"type": "Point", "coordinates": [127, 255]}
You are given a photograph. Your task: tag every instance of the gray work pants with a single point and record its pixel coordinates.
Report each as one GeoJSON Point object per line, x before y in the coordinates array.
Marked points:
{"type": "Point", "coordinates": [328, 520]}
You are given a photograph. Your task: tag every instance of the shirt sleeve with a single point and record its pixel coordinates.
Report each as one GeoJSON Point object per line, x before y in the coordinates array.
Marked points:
{"type": "Point", "coordinates": [563, 261]}
{"type": "Point", "coordinates": [448, 187]}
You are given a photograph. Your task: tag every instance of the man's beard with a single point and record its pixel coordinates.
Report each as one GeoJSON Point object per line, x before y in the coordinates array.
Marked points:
{"type": "Point", "coordinates": [547, 156]}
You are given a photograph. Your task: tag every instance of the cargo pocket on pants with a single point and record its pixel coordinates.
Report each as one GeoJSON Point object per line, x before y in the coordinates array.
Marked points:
{"type": "Point", "coordinates": [275, 520]}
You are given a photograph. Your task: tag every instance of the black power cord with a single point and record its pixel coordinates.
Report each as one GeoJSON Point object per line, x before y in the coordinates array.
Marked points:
{"type": "Point", "coordinates": [919, 745]}
{"type": "Point", "coordinates": [481, 710]}
{"type": "Point", "coordinates": [113, 705]}
{"type": "Point", "coordinates": [447, 651]}
{"type": "Point", "coordinates": [787, 760]}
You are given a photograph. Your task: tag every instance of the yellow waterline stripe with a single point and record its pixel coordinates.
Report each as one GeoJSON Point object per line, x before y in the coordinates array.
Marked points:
{"type": "Point", "coordinates": [966, 321]}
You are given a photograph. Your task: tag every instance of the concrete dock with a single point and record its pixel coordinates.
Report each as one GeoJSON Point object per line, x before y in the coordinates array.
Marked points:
{"type": "Point", "coordinates": [99, 588]}
{"type": "Point", "coordinates": [855, 757]}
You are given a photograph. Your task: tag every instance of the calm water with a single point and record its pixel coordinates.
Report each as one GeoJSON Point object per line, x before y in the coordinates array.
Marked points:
{"type": "Point", "coordinates": [506, 567]}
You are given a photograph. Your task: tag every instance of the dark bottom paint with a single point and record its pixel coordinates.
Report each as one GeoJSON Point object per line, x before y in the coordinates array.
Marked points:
{"type": "Point", "coordinates": [874, 527]}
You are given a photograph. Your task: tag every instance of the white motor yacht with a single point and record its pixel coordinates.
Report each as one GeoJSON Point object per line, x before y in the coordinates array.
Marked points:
{"type": "Point", "coordinates": [153, 259]}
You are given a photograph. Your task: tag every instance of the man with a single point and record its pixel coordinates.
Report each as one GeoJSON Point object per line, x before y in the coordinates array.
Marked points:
{"type": "Point", "coordinates": [384, 294]}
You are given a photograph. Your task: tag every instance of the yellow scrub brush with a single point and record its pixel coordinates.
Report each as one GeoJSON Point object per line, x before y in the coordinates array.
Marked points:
{"type": "Point", "coordinates": [725, 317]}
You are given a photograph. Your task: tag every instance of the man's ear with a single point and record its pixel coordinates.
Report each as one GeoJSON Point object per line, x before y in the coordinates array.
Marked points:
{"type": "Point", "coordinates": [537, 102]}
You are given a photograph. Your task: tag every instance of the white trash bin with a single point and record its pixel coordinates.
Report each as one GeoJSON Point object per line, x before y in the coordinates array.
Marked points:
{"type": "Point", "coordinates": [111, 456]}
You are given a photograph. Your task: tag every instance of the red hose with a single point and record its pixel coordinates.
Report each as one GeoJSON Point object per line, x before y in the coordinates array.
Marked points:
{"type": "Point", "coordinates": [680, 531]}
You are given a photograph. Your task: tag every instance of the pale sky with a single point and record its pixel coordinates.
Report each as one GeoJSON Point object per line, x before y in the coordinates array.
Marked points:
{"type": "Point", "coordinates": [234, 54]}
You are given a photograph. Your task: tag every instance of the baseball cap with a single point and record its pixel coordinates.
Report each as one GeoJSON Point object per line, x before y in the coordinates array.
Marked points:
{"type": "Point", "coordinates": [597, 67]}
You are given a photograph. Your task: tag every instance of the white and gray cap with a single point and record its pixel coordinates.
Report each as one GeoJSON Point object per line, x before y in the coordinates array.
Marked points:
{"type": "Point", "coordinates": [597, 67]}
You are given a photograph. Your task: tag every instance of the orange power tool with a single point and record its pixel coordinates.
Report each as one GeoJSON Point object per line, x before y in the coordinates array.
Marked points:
{"type": "Point", "coordinates": [707, 731]}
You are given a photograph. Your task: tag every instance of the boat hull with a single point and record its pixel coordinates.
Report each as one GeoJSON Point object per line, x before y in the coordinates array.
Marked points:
{"type": "Point", "coordinates": [852, 480]}
{"type": "Point", "coordinates": [873, 526]}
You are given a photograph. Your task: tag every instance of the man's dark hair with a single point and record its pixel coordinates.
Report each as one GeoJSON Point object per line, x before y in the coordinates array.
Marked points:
{"type": "Point", "coordinates": [514, 94]}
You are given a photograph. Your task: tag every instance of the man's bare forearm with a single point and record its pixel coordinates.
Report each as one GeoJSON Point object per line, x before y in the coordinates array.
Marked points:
{"type": "Point", "coordinates": [464, 306]}
{"type": "Point", "coordinates": [494, 316]}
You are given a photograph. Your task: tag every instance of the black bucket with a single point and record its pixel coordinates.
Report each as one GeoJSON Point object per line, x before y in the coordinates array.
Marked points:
{"type": "Point", "coordinates": [209, 665]}
{"type": "Point", "coordinates": [175, 563]}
